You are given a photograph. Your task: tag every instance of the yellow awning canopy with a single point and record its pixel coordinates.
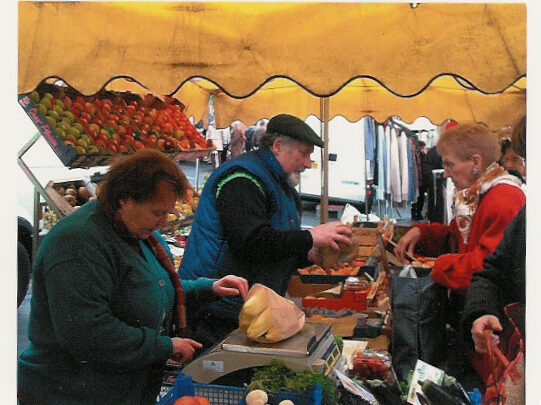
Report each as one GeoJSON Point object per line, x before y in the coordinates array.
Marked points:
{"type": "Point", "coordinates": [240, 46]}
{"type": "Point", "coordinates": [444, 98]}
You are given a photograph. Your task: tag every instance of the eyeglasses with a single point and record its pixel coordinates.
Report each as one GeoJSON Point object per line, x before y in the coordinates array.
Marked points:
{"type": "Point", "coordinates": [448, 165]}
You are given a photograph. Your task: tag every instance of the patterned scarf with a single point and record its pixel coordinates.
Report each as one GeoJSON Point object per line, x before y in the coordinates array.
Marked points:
{"type": "Point", "coordinates": [467, 200]}
{"type": "Point", "coordinates": [179, 315]}
{"type": "Point", "coordinates": [179, 312]}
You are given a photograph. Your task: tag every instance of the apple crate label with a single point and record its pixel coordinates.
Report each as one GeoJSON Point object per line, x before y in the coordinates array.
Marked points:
{"type": "Point", "coordinates": [46, 130]}
{"type": "Point", "coordinates": [24, 101]}
{"type": "Point", "coordinates": [213, 366]}
{"type": "Point", "coordinates": [33, 113]}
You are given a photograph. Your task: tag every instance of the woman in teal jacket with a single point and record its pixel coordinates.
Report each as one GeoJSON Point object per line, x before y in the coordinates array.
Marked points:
{"type": "Point", "coordinates": [107, 308]}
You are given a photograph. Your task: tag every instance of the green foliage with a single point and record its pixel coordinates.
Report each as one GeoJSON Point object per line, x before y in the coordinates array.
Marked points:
{"type": "Point", "coordinates": [339, 342]}
{"type": "Point", "coordinates": [271, 378]}
{"type": "Point", "coordinates": [305, 381]}
{"type": "Point", "coordinates": [276, 377]}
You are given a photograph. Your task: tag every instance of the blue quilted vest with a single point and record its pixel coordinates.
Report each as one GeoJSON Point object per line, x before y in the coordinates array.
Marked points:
{"type": "Point", "coordinates": [207, 251]}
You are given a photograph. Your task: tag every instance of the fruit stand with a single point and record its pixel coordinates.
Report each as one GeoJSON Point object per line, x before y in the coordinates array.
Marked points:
{"type": "Point", "coordinates": [233, 57]}
{"type": "Point", "coordinates": [89, 131]}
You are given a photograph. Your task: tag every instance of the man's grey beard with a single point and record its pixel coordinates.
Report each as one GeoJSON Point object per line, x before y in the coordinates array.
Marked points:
{"type": "Point", "coordinates": [294, 179]}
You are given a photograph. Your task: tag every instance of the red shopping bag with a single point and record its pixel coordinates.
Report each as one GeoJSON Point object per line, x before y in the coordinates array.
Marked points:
{"type": "Point", "coordinates": [505, 381]}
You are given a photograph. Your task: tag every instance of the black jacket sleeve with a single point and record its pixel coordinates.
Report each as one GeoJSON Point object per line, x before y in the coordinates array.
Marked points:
{"type": "Point", "coordinates": [502, 280]}
{"type": "Point", "coordinates": [245, 213]}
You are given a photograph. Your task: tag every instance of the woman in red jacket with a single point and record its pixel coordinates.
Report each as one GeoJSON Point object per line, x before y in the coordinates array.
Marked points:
{"type": "Point", "coordinates": [487, 199]}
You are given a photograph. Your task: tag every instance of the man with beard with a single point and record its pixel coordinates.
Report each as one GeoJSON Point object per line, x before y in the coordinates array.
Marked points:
{"type": "Point", "coordinates": [248, 223]}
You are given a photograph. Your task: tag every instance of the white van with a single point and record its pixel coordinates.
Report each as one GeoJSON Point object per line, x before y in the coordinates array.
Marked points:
{"type": "Point", "coordinates": [347, 166]}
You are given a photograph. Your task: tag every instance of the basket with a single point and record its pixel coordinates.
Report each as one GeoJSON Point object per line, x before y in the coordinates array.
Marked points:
{"type": "Point", "coordinates": [223, 395]}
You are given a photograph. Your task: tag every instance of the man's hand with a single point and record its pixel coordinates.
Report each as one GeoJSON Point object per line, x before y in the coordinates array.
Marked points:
{"type": "Point", "coordinates": [230, 285]}
{"type": "Point", "coordinates": [481, 324]}
{"type": "Point", "coordinates": [329, 234]}
{"type": "Point", "coordinates": [407, 243]}
{"type": "Point", "coordinates": [184, 349]}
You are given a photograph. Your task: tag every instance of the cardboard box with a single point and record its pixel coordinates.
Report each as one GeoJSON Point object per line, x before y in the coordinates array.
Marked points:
{"type": "Point", "coordinates": [60, 202]}
{"type": "Point", "coordinates": [297, 288]}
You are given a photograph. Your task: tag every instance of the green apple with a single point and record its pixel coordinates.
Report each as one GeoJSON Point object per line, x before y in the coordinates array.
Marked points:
{"type": "Point", "coordinates": [74, 132]}
{"type": "Point", "coordinates": [48, 96]}
{"type": "Point", "coordinates": [65, 125]}
{"type": "Point", "coordinates": [78, 126]}
{"type": "Point", "coordinates": [58, 109]}
{"type": "Point", "coordinates": [60, 132]}
{"type": "Point", "coordinates": [34, 96]}
{"type": "Point", "coordinates": [42, 108]}
{"type": "Point", "coordinates": [60, 103]}
{"type": "Point", "coordinates": [46, 102]}
{"type": "Point", "coordinates": [80, 150]}
{"type": "Point", "coordinates": [51, 121]}
{"type": "Point", "coordinates": [82, 143]}
{"type": "Point", "coordinates": [69, 116]}
{"type": "Point", "coordinates": [93, 150]}
{"type": "Point", "coordinates": [87, 139]}
{"type": "Point", "coordinates": [54, 114]}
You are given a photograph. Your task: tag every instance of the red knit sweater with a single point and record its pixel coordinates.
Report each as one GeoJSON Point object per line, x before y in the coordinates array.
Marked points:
{"type": "Point", "coordinates": [496, 209]}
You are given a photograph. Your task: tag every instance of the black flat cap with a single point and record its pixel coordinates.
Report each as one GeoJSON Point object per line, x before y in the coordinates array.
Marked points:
{"type": "Point", "coordinates": [289, 125]}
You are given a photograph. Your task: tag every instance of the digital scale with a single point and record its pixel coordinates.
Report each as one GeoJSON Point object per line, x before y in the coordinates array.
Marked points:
{"type": "Point", "coordinates": [313, 349]}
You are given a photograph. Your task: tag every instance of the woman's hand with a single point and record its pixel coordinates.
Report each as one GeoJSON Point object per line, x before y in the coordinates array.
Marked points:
{"type": "Point", "coordinates": [184, 349]}
{"type": "Point", "coordinates": [407, 243]}
{"type": "Point", "coordinates": [481, 324]}
{"type": "Point", "coordinates": [230, 285]}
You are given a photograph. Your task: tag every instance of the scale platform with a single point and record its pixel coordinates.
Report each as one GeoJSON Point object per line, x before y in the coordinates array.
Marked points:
{"type": "Point", "coordinates": [313, 349]}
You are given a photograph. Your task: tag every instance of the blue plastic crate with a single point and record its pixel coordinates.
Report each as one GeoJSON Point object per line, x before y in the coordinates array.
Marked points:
{"type": "Point", "coordinates": [222, 395]}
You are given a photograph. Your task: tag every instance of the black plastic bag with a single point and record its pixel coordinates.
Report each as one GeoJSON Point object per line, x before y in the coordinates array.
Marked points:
{"type": "Point", "coordinates": [418, 307]}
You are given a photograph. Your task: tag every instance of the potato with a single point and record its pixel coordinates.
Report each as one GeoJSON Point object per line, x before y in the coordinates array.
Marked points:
{"type": "Point", "coordinates": [70, 199]}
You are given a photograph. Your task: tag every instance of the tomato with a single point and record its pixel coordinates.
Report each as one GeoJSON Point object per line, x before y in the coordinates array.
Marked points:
{"type": "Point", "coordinates": [160, 143]}
{"type": "Point", "coordinates": [107, 102]}
{"type": "Point", "coordinates": [168, 127]}
{"type": "Point", "coordinates": [80, 100]}
{"type": "Point", "coordinates": [184, 144]}
{"type": "Point", "coordinates": [90, 108]}
{"type": "Point", "coordinates": [111, 124]}
{"type": "Point", "coordinates": [138, 145]}
{"type": "Point", "coordinates": [168, 145]}
{"type": "Point", "coordinates": [67, 103]}
{"type": "Point", "coordinates": [97, 103]}
{"type": "Point", "coordinates": [134, 104]}
{"type": "Point", "coordinates": [123, 149]}
{"type": "Point", "coordinates": [83, 122]}
{"type": "Point", "coordinates": [152, 139]}
{"type": "Point", "coordinates": [148, 120]}
{"type": "Point", "coordinates": [76, 107]}
{"type": "Point", "coordinates": [112, 145]}
{"type": "Point", "coordinates": [130, 110]}
{"type": "Point", "coordinates": [152, 112]}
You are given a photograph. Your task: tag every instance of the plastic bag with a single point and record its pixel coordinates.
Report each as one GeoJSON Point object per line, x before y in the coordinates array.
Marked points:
{"type": "Point", "coordinates": [267, 317]}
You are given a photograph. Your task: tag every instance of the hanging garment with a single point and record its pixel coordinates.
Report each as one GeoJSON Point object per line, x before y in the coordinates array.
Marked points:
{"type": "Point", "coordinates": [395, 175]}
{"type": "Point", "coordinates": [403, 159]}
{"type": "Point", "coordinates": [381, 162]}
{"type": "Point", "coordinates": [413, 189]}
{"type": "Point", "coordinates": [387, 159]}
{"type": "Point", "coordinates": [369, 144]}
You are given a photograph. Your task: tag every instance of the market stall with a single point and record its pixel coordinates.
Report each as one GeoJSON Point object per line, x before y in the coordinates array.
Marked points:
{"type": "Point", "coordinates": [206, 40]}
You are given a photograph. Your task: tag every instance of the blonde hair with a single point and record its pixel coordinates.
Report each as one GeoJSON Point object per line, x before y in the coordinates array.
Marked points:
{"type": "Point", "coordinates": [465, 140]}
